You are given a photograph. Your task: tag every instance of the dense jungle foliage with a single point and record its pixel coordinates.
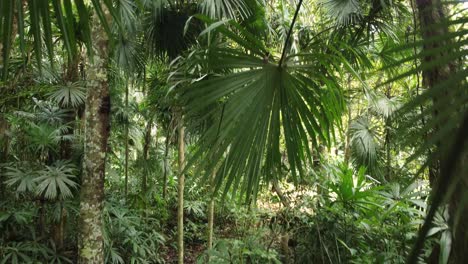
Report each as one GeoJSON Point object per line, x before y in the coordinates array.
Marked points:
{"type": "Point", "coordinates": [233, 131]}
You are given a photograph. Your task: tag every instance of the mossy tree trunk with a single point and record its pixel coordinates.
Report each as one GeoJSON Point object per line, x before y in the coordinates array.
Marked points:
{"type": "Point", "coordinates": [91, 243]}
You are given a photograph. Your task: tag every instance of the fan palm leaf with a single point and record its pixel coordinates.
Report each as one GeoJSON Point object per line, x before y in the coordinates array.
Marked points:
{"type": "Point", "coordinates": [364, 142]}
{"type": "Point", "coordinates": [264, 106]}
{"type": "Point", "coordinates": [344, 12]}
{"type": "Point", "coordinates": [69, 95]}
{"type": "Point", "coordinates": [23, 176]}
{"type": "Point", "coordinates": [57, 181]}
{"type": "Point", "coordinates": [224, 8]}
{"type": "Point", "coordinates": [383, 106]}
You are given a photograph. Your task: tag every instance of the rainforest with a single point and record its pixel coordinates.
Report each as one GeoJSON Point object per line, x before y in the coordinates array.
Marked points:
{"type": "Point", "coordinates": [233, 131]}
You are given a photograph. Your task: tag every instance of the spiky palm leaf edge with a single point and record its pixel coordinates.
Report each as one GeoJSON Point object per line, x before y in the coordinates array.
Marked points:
{"type": "Point", "coordinates": [259, 105]}
{"type": "Point", "coordinates": [40, 15]}
{"type": "Point", "coordinates": [450, 125]}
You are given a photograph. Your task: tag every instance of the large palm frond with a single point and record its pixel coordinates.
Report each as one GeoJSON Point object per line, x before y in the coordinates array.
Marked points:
{"type": "Point", "coordinates": [262, 105]}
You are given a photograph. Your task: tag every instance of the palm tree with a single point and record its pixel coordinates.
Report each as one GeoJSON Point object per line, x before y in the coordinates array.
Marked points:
{"type": "Point", "coordinates": [267, 97]}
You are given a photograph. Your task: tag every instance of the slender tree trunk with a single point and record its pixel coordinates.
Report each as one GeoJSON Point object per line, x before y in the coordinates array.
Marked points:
{"type": "Point", "coordinates": [58, 228]}
{"type": "Point", "coordinates": [388, 122]}
{"type": "Point", "coordinates": [181, 186]}
{"type": "Point", "coordinates": [146, 147]}
{"type": "Point", "coordinates": [166, 153]}
{"type": "Point", "coordinates": [388, 150]}
{"type": "Point", "coordinates": [4, 140]}
{"type": "Point", "coordinates": [126, 142]}
{"type": "Point", "coordinates": [210, 223]}
{"type": "Point", "coordinates": [283, 198]}
{"type": "Point", "coordinates": [97, 128]}
{"type": "Point", "coordinates": [347, 150]}
{"type": "Point", "coordinates": [41, 224]}
{"type": "Point", "coordinates": [432, 17]}
{"type": "Point", "coordinates": [211, 214]}
{"type": "Point", "coordinates": [284, 236]}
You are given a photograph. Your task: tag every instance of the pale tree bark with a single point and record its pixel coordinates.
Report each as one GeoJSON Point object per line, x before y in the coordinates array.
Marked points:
{"type": "Point", "coordinates": [210, 223]}
{"type": "Point", "coordinates": [97, 126]}
{"type": "Point", "coordinates": [181, 186]}
{"type": "Point", "coordinates": [211, 214]}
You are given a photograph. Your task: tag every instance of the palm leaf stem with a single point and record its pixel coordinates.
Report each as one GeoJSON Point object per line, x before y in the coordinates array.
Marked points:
{"type": "Point", "coordinates": [289, 33]}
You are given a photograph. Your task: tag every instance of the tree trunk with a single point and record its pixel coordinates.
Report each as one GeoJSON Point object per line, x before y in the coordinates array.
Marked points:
{"type": "Point", "coordinates": [211, 214]}
{"type": "Point", "coordinates": [283, 198]}
{"type": "Point", "coordinates": [284, 236]}
{"type": "Point", "coordinates": [166, 153]}
{"type": "Point", "coordinates": [210, 223]}
{"type": "Point", "coordinates": [432, 17]}
{"type": "Point", "coordinates": [4, 140]}
{"type": "Point", "coordinates": [181, 186]}
{"type": "Point", "coordinates": [126, 142]}
{"type": "Point", "coordinates": [97, 127]}
{"type": "Point", "coordinates": [388, 123]}
{"type": "Point", "coordinates": [146, 146]}
{"type": "Point", "coordinates": [347, 148]}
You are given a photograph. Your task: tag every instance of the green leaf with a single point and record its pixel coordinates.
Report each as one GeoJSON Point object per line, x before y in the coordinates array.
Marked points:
{"type": "Point", "coordinates": [55, 182]}
{"type": "Point", "coordinates": [263, 105]}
